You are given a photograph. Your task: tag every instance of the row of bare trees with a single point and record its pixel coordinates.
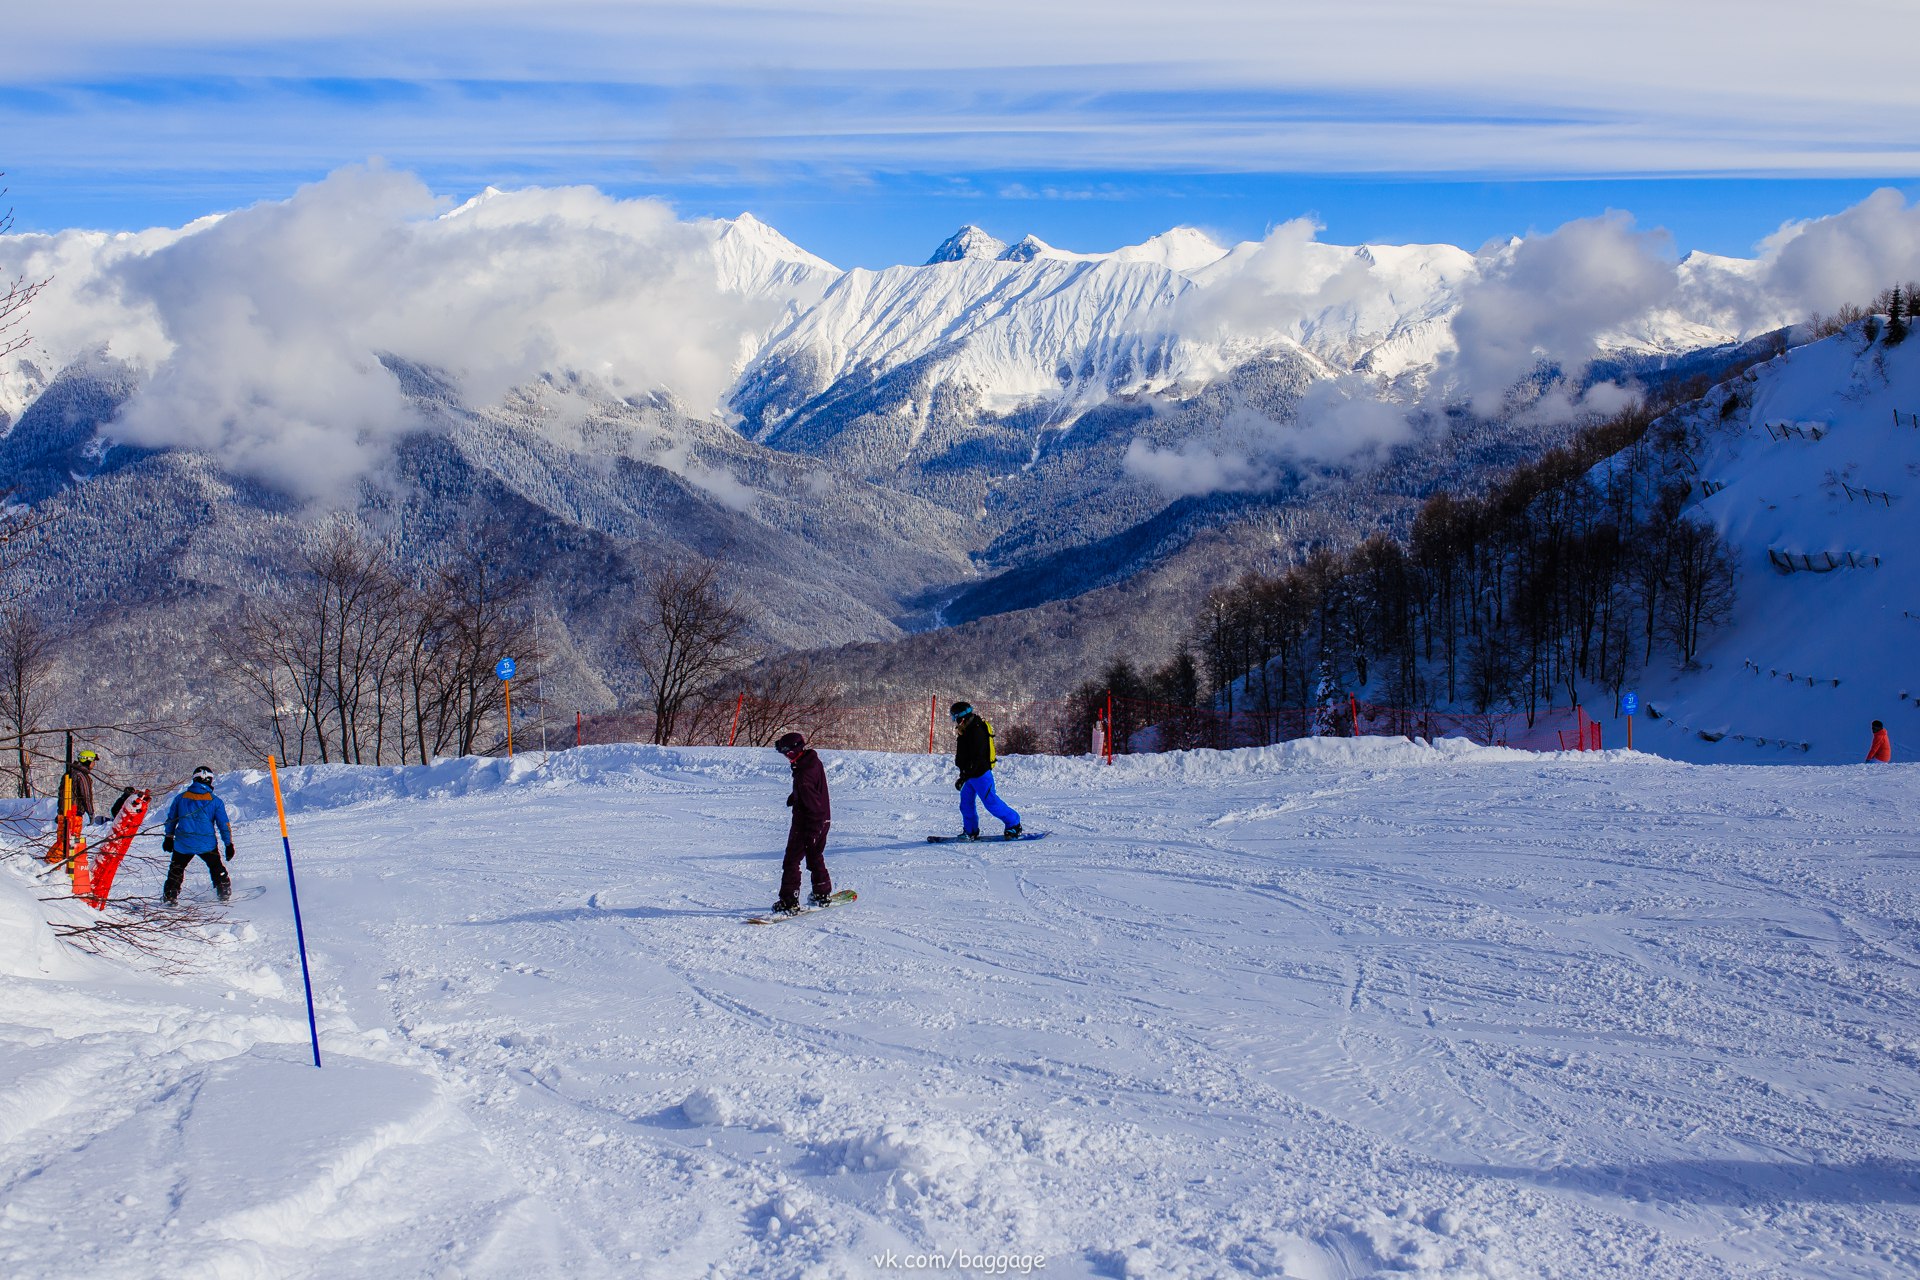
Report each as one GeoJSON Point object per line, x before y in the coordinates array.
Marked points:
{"type": "Point", "coordinates": [1562, 579]}
{"type": "Point", "coordinates": [354, 661]}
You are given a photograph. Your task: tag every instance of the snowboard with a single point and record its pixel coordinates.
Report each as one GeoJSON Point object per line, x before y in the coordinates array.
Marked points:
{"type": "Point", "coordinates": [839, 899]}
{"type": "Point", "coordinates": [1024, 835]}
{"type": "Point", "coordinates": [125, 826]}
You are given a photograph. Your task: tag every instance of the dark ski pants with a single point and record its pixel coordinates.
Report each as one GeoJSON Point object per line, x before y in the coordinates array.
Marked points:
{"type": "Point", "coordinates": [806, 844]}
{"type": "Point", "coordinates": [215, 868]}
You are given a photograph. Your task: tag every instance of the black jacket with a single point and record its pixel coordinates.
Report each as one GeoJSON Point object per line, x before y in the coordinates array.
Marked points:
{"type": "Point", "coordinates": [809, 798]}
{"type": "Point", "coordinates": [972, 753]}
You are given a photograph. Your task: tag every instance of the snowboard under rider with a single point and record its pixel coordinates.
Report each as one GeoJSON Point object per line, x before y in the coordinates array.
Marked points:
{"type": "Point", "coordinates": [807, 837]}
{"type": "Point", "coordinates": [194, 820]}
{"type": "Point", "coordinates": [1881, 750]}
{"type": "Point", "coordinates": [973, 755]}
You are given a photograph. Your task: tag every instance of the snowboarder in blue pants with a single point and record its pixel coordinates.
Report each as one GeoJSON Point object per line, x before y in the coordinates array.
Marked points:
{"type": "Point", "coordinates": [974, 756]}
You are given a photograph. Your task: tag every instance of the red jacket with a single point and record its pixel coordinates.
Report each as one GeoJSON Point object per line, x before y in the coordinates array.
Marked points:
{"type": "Point", "coordinates": [1881, 750]}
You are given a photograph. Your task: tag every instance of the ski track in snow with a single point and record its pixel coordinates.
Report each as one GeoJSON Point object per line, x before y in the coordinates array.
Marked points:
{"type": "Point", "coordinates": [1332, 1010]}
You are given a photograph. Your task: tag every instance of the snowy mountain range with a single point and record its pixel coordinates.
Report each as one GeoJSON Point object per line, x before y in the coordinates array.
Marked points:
{"type": "Point", "coordinates": [1007, 426]}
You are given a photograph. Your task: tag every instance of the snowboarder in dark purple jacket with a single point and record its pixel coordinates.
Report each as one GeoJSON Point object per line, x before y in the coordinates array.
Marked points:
{"type": "Point", "coordinates": [812, 815]}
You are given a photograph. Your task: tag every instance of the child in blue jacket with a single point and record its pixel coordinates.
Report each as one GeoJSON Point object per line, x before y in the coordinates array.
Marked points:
{"type": "Point", "coordinates": [196, 827]}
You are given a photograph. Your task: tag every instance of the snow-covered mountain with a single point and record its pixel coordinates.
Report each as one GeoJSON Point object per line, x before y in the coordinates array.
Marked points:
{"type": "Point", "coordinates": [890, 450]}
{"type": "Point", "coordinates": [1810, 467]}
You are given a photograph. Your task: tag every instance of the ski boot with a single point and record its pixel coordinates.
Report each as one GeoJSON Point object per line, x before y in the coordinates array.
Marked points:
{"type": "Point", "coordinates": [969, 835]}
{"type": "Point", "coordinates": [819, 899]}
{"type": "Point", "coordinates": [787, 907]}
{"type": "Point", "coordinates": [1011, 833]}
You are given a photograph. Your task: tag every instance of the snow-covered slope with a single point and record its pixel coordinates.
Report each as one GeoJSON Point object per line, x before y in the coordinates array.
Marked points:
{"type": "Point", "coordinates": [1813, 474]}
{"type": "Point", "coordinates": [1335, 1009]}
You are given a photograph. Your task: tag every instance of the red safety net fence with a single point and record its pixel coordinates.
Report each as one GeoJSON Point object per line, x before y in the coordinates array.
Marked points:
{"type": "Point", "coordinates": [1105, 725]}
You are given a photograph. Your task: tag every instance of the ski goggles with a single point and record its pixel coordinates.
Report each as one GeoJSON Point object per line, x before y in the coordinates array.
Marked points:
{"type": "Point", "coordinates": [203, 775]}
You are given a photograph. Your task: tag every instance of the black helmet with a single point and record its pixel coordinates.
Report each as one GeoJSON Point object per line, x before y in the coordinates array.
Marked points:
{"type": "Point", "coordinates": [203, 774]}
{"type": "Point", "coordinates": [788, 743]}
{"type": "Point", "coordinates": [960, 710]}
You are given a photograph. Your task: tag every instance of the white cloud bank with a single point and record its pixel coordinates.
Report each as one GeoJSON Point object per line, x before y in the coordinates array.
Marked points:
{"type": "Point", "coordinates": [262, 332]}
{"type": "Point", "coordinates": [1556, 299]}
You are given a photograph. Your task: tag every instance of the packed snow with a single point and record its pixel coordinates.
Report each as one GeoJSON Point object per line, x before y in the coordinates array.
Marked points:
{"type": "Point", "coordinates": [1332, 1009]}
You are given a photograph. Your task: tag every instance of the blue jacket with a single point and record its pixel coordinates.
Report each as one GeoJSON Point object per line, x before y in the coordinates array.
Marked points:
{"type": "Point", "coordinates": [194, 817]}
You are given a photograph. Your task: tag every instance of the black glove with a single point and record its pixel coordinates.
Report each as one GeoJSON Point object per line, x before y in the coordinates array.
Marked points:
{"type": "Point", "coordinates": [958, 783]}
{"type": "Point", "coordinates": [166, 846]}
{"type": "Point", "coordinates": [789, 802]}
{"type": "Point", "coordinates": [229, 851]}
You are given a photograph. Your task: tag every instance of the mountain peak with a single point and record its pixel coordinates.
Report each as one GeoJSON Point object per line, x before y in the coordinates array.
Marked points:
{"type": "Point", "coordinates": [1027, 250]}
{"type": "Point", "coordinates": [968, 242]}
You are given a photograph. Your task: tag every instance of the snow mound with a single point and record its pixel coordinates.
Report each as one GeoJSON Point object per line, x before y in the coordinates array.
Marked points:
{"type": "Point", "coordinates": [28, 948]}
{"type": "Point", "coordinates": [642, 767]}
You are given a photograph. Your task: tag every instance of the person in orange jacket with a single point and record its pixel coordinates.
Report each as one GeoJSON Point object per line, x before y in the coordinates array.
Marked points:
{"type": "Point", "coordinates": [1881, 750]}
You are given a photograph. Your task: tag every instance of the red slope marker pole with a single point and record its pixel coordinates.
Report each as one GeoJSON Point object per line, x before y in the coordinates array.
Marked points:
{"type": "Point", "coordinates": [299, 930]}
{"type": "Point", "coordinates": [734, 732]}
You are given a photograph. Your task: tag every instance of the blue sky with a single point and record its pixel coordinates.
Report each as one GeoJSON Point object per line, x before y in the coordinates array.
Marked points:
{"type": "Point", "coordinates": [867, 131]}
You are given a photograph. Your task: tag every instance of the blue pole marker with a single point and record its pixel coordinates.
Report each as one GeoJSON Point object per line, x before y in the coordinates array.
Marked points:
{"type": "Point", "coordinates": [1629, 703]}
{"type": "Point", "coordinates": [504, 669]}
{"type": "Point", "coordinates": [299, 931]}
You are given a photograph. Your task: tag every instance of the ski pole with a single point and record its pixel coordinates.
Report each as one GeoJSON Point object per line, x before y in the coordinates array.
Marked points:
{"type": "Point", "coordinates": [299, 931]}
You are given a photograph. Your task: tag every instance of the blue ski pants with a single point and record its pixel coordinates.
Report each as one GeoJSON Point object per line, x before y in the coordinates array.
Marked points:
{"type": "Point", "coordinates": [981, 789]}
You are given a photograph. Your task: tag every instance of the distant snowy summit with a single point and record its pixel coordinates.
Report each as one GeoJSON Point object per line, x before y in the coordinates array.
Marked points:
{"type": "Point", "coordinates": [968, 242]}
{"type": "Point", "coordinates": [1181, 249]}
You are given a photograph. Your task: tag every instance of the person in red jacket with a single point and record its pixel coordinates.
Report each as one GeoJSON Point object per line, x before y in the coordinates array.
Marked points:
{"type": "Point", "coordinates": [807, 837]}
{"type": "Point", "coordinates": [1881, 750]}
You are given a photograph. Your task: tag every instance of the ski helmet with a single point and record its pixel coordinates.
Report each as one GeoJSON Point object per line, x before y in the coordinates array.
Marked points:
{"type": "Point", "coordinates": [87, 757]}
{"type": "Point", "coordinates": [789, 743]}
{"type": "Point", "coordinates": [960, 710]}
{"type": "Point", "coordinates": [204, 774]}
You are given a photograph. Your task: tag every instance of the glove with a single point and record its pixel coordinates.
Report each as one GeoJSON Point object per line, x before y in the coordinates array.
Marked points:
{"type": "Point", "coordinates": [959, 783]}
{"type": "Point", "coordinates": [789, 802]}
{"type": "Point", "coordinates": [229, 851]}
{"type": "Point", "coordinates": [166, 846]}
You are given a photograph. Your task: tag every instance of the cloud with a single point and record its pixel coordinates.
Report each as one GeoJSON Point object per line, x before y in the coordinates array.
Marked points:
{"type": "Point", "coordinates": [1195, 467]}
{"type": "Point", "coordinates": [1549, 299]}
{"type": "Point", "coordinates": [1338, 422]}
{"type": "Point", "coordinates": [264, 331]}
{"type": "Point", "coordinates": [589, 89]}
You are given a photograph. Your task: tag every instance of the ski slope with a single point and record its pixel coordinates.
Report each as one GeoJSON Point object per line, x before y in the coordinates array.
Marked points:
{"type": "Point", "coordinates": [1809, 476]}
{"type": "Point", "coordinates": [1332, 1009]}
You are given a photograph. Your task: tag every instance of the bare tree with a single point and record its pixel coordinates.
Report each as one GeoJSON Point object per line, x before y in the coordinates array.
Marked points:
{"type": "Point", "coordinates": [1700, 590]}
{"type": "Point", "coordinates": [484, 616]}
{"type": "Point", "coordinates": [353, 662]}
{"type": "Point", "coordinates": [687, 636]}
{"type": "Point", "coordinates": [20, 293]}
{"type": "Point", "coordinates": [780, 697]}
{"type": "Point", "coordinates": [28, 653]}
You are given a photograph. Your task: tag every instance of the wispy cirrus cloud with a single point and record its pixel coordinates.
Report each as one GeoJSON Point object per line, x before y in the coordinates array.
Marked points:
{"type": "Point", "coordinates": [589, 90]}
